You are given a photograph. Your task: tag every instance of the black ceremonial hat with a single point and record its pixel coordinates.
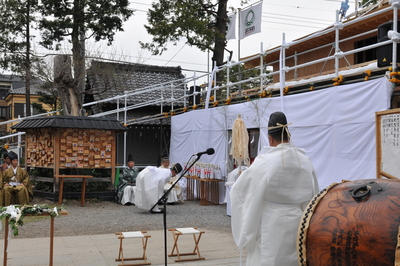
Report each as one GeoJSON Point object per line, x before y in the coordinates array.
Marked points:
{"type": "Point", "coordinates": [12, 155]}
{"type": "Point", "coordinates": [177, 167]}
{"type": "Point", "coordinates": [130, 158]}
{"type": "Point", "coordinates": [4, 153]}
{"type": "Point", "coordinates": [275, 119]}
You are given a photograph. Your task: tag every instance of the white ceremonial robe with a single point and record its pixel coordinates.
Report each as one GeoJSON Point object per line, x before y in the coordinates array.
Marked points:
{"type": "Point", "coordinates": [175, 194]}
{"type": "Point", "coordinates": [267, 202]}
{"type": "Point", "coordinates": [129, 195]}
{"type": "Point", "coordinates": [150, 186]}
{"type": "Point", "coordinates": [233, 176]}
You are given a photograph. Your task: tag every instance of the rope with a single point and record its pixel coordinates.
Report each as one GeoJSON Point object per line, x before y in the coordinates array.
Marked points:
{"type": "Point", "coordinates": [285, 128]}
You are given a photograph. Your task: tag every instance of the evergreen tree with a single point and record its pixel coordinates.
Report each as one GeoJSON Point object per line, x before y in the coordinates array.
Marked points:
{"type": "Point", "coordinates": [17, 17]}
{"type": "Point", "coordinates": [367, 2]}
{"type": "Point", "coordinates": [202, 23]}
{"type": "Point", "coordinates": [49, 98]}
{"type": "Point", "coordinates": [239, 72]}
{"type": "Point", "coordinates": [76, 21]}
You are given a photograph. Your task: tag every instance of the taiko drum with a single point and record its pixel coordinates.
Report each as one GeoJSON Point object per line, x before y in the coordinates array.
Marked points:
{"type": "Point", "coordinates": [353, 223]}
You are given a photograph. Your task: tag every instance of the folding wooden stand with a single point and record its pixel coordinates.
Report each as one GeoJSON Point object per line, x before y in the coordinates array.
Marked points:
{"type": "Point", "coordinates": [136, 234]}
{"type": "Point", "coordinates": [186, 231]}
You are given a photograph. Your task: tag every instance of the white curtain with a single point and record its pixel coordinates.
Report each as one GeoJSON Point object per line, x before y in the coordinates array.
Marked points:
{"type": "Point", "coordinates": [336, 127]}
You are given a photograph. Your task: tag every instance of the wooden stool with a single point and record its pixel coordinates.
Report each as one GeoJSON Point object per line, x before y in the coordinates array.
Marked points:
{"type": "Point", "coordinates": [186, 231]}
{"type": "Point", "coordinates": [136, 234]}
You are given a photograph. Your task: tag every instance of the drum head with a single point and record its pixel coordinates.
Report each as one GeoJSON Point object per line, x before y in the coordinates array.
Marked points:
{"type": "Point", "coordinates": [351, 223]}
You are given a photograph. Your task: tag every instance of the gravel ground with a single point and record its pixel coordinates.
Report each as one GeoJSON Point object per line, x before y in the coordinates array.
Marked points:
{"type": "Point", "coordinates": [106, 217]}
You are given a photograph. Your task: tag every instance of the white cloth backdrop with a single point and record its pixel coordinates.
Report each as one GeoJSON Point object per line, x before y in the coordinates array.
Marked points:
{"type": "Point", "coordinates": [336, 127]}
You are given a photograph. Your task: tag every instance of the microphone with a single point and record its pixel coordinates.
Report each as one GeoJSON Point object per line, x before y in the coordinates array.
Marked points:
{"type": "Point", "coordinates": [209, 151]}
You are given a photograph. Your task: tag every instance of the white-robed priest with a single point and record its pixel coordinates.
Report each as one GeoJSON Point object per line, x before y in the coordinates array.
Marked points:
{"type": "Point", "coordinates": [268, 199]}
{"type": "Point", "coordinates": [175, 195]}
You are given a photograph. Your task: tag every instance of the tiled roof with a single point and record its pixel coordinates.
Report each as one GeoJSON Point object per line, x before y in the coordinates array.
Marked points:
{"type": "Point", "coordinates": [10, 78]}
{"type": "Point", "coordinates": [70, 122]}
{"type": "Point", "coordinates": [108, 80]}
{"type": "Point", "coordinates": [132, 115]}
{"type": "Point", "coordinates": [18, 84]}
{"type": "Point", "coordinates": [22, 90]}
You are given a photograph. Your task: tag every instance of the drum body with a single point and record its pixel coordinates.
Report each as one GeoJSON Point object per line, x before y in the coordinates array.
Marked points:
{"type": "Point", "coordinates": [352, 223]}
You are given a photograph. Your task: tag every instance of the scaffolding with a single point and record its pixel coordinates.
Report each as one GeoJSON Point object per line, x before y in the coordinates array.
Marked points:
{"type": "Point", "coordinates": [209, 90]}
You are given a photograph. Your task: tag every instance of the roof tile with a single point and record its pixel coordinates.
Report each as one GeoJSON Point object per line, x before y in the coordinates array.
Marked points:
{"type": "Point", "coordinates": [70, 122]}
{"type": "Point", "coordinates": [108, 80]}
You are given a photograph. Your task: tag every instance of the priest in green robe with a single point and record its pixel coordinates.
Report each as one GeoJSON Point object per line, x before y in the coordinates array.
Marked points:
{"type": "Point", "coordinates": [127, 184]}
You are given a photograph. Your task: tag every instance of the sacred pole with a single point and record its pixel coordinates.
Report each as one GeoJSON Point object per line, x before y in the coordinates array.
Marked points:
{"type": "Point", "coordinates": [239, 35]}
{"type": "Point", "coordinates": [240, 71]}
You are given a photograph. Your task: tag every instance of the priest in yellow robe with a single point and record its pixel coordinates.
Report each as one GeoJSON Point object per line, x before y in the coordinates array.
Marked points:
{"type": "Point", "coordinates": [17, 186]}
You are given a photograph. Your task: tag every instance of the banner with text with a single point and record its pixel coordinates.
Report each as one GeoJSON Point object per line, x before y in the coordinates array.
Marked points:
{"type": "Point", "coordinates": [250, 20]}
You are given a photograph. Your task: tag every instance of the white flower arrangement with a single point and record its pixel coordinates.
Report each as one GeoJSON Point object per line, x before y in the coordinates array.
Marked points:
{"type": "Point", "coordinates": [16, 213]}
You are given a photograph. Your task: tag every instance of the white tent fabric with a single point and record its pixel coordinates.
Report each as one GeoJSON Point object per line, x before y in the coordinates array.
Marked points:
{"type": "Point", "coordinates": [336, 127]}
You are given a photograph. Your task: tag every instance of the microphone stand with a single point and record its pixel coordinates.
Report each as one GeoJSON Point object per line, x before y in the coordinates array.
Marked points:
{"type": "Point", "coordinates": [163, 200]}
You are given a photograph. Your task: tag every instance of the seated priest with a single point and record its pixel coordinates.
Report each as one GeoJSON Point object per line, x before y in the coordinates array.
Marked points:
{"type": "Point", "coordinates": [6, 158]}
{"type": "Point", "coordinates": [127, 183]}
{"type": "Point", "coordinates": [175, 195]}
{"type": "Point", "coordinates": [164, 163]}
{"type": "Point", "coordinates": [17, 186]}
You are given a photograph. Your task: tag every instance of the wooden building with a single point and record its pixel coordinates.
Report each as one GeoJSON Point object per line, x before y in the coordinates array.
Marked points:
{"type": "Point", "coordinates": [349, 46]}
{"type": "Point", "coordinates": [146, 87]}
{"type": "Point", "coordinates": [69, 142]}
{"type": "Point", "coordinates": [13, 99]}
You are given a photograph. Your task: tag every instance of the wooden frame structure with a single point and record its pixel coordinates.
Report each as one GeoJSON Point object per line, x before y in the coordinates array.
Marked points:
{"type": "Point", "coordinates": [176, 232]}
{"type": "Point", "coordinates": [70, 142]}
{"type": "Point", "coordinates": [387, 126]}
{"type": "Point", "coordinates": [135, 234]}
{"type": "Point", "coordinates": [206, 189]}
{"type": "Point", "coordinates": [61, 180]}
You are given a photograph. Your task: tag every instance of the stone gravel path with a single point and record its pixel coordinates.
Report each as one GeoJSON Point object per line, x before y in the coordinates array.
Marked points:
{"type": "Point", "coordinates": [106, 217]}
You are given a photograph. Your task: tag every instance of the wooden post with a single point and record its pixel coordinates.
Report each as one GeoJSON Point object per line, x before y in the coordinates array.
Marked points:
{"type": "Point", "coordinates": [83, 192]}
{"type": "Point", "coordinates": [378, 145]}
{"type": "Point", "coordinates": [60, 191]}
{"type": "Point", "coordinates": [113, 158]}
{"type": "Point", "coordinates": [25, 153]}
{"type": "Point", "coordinates": [51, 240]}
{"type": "Point", "coordinates": [5, 242]}
{"type": "Point", "coordinates": [56, 167]}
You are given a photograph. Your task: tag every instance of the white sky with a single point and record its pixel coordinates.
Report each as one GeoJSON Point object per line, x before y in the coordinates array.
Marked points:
{"type": "Point", "coordinates": [295, 18]}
